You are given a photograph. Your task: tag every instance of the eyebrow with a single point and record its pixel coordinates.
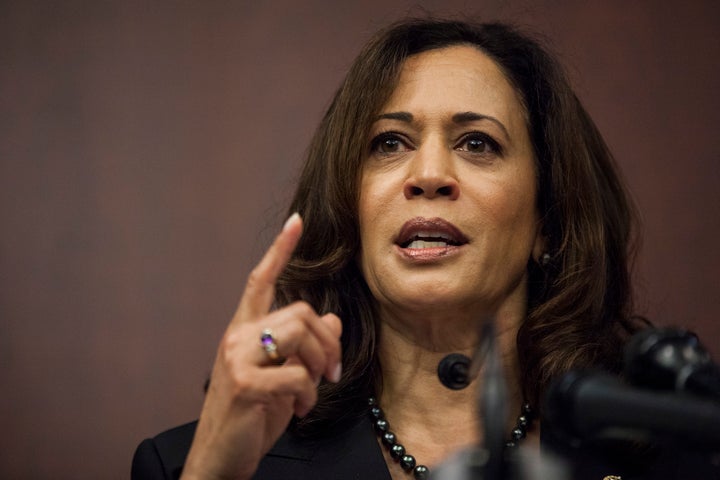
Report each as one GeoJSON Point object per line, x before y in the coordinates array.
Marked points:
{"type": "Point", "coordinates": [406, 117]}
{"type": "Point", "coordinates": [462, 117]}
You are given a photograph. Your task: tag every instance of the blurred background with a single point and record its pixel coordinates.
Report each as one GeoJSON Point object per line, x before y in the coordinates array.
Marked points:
{"type": "Point", "coordinates": [147, 154]}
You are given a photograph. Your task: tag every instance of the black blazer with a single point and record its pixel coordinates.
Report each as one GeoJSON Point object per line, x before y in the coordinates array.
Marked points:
{"type": "Point", "coordinates": [355, 453]}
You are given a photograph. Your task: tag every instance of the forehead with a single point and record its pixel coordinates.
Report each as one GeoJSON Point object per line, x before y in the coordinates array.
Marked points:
{"type": "Point", "coordinates": [456, 79]}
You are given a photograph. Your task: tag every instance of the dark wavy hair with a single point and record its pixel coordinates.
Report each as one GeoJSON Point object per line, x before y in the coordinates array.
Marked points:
{"type": "Point", "coordinates": [579, 304]}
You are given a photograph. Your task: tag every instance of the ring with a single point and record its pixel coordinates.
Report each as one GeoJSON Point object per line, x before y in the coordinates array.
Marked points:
{"type": "Point", "coordinates": [267, 342]}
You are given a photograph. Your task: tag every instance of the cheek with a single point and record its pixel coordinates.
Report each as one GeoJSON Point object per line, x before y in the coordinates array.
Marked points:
{"type": "Point", "coordinates": [364, 201]}
{"type": "Point", "coordinates": [377, 215]}
{"type": "Point", "coordinates": [365, 216]}
{"type": "Point", "coordinates": [524, 219]}
{"type": "Point", "coordinates": [512, 207]}
{"type": "Point", "coordinates": [374, 204]}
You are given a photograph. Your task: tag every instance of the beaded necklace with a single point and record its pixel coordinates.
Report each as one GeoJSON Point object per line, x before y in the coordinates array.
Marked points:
{"type": "Point", "coordinates": [407, 461]}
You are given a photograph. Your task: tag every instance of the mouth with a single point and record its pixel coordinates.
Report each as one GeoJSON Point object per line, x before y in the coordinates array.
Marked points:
{"type": "Point", "coordinates": [421, 233]}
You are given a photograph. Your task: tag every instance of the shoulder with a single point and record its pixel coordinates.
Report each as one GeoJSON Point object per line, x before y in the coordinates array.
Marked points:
{"type": "Point", "coordinates": [163, 456]}
{"type": "Point", "coordinates": [352, 453]}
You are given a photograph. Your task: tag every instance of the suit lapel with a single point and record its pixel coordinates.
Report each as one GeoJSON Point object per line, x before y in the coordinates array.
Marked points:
{"type": "Point", "coordinates": [353, 453]}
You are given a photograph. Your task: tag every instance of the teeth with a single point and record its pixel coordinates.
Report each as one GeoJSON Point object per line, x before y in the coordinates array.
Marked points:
{"type": "Point", "coordinates": [426, 244]}
{"type": "Point", "coordinates": [439, 236]}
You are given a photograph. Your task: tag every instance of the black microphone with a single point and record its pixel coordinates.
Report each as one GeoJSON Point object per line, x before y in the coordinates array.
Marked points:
{"type": "Point", "coordinates": [456, 370]}
{"type": "Point", "coordinates": [671, 359]}
{"type": "Point", "coordinates": [453, 371]}
{"type": "Point", "coordinates": [586, 405]}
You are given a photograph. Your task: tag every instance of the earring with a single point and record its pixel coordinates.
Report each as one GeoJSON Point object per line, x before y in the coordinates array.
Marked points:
{"type": "Point", "coordinates": [545, 259]}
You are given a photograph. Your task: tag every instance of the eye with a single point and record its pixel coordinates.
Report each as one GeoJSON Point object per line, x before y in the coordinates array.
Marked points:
{"type": "Point", "coordinates": [479, 143]}
{"type": "Point", "coordinates": [388, 143]}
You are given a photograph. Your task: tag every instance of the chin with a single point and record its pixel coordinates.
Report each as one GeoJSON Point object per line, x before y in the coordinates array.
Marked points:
{"type": "Point", "coordinates": [427, 299]}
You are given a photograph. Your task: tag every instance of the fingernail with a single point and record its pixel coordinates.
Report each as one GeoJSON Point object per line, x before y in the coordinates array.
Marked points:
{"type": "Point", "coordinates": [336, 373]}
{"type": "Point", "coordinates": [290, 220]}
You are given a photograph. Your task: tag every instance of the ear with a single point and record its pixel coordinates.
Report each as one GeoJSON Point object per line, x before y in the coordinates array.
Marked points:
{"type": "Point", "coordinates": [540, 245]}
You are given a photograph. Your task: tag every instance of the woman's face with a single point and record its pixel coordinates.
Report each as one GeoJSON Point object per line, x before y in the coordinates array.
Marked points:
{"type": "Point", "coordinates": [448, 216]}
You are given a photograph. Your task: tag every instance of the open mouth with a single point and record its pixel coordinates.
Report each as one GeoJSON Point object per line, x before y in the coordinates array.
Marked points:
{"type": "Point", "coordinates": [427, 240]}
{"type": "Point", "coordinates": [422, 233]}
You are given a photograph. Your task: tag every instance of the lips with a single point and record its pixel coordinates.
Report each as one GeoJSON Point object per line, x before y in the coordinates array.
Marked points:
{"type": "Point", "coordinates": [423, 233]}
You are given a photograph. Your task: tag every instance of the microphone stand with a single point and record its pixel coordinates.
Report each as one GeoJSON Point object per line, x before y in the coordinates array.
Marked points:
{"type": "Point", "coordinates": [483, 463]}
{"type": "Point", "coordinates": [492, 461]}
{"type": "Point", "coordinates": [493, 398]}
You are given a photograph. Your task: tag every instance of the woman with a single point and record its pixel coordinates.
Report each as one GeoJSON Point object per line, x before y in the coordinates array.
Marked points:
{"type": "Point", "coordinates": [455, 178]}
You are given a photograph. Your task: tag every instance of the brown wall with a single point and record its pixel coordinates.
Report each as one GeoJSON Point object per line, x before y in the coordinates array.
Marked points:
{"type": "Point", "coordinates": [146, 153]}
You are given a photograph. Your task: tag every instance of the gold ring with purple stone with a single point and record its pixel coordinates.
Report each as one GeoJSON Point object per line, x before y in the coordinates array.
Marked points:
{"type": "Point", "coordinates": [267, 342]}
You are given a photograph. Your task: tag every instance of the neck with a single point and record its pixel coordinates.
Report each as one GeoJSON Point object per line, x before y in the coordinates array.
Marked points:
{"type": "Point", "coordinates": [431, 419]}
{"type": "Point", "coordinates": [411, 347]}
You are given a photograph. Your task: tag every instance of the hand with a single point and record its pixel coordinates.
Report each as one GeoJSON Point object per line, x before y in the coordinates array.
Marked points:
{"type": "Point", "coordinates": [251, 397]}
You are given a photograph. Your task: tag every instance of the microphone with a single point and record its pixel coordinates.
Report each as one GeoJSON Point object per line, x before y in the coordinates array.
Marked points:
{"type": "Point", "coordinates": [453, 371]}
{"type": "Point", "coordinates": [491, 461]}
{"type": "Point", "coordinates": [671, 359]}
{"type": "Point", "coordinates": [585, 405]}
{"type": "Point", "coordinates": [456, 370]}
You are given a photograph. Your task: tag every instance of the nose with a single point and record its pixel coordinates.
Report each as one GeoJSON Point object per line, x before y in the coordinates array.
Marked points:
{"type": "Point", "coordinates": [431, 174]}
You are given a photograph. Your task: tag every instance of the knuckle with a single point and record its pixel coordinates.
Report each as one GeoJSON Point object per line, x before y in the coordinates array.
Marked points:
{"type": "Point", "coordinates": [305, 385]}
{"type": "Point", "coordinates": [303, 309]}
{"type": "Point", "coordinates": [293, 330]}
{"type": "Point", "coordinates": [226, 348]}
{"type": "Point", "coordinates": [320, 359]}
{"type": "Point", "coordinates": [232, 340]}
{"type": "Point", "coordinates": [303, 380]}
{"type": "Point", "coordinates": [315, 368]}
{"type": "Point", "coordinates": [254, 278]}
{"type": "Point", "coordinates": [241, 384]}
{"type": "Point", "coordinates": [309, 397]}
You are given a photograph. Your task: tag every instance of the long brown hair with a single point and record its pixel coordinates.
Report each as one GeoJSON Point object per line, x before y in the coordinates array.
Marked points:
{"type": "Point", "coordinates": [579, 305]}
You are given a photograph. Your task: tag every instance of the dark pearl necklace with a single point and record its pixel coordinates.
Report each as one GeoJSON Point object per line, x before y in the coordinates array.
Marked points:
{"type": "Point", "coordinates": [407, 461]}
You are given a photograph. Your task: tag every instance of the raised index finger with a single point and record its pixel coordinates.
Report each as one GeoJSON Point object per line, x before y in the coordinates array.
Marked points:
{"type": "Point", "coordinates": [260, 289]}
